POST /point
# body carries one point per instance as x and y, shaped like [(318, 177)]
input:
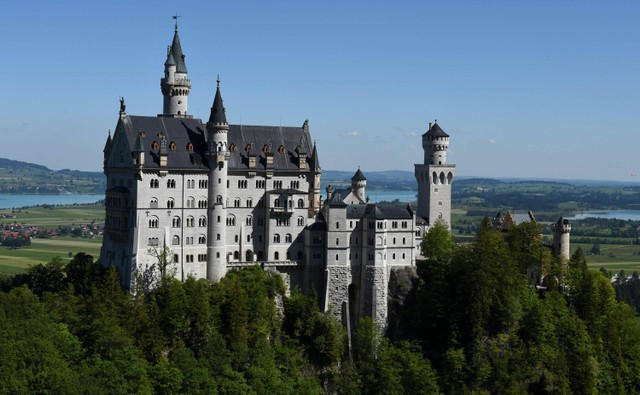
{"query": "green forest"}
[(468, 323)]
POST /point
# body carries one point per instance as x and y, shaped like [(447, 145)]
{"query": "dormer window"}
[(265, 149), (190, 147), (281, 149), (247, 148), (172, 146), (155, 146), (142, 134), (232, 147)]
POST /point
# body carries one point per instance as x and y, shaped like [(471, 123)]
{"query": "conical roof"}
[(138, 145), (107, 145), (314, 161), (436, 131), (217, 116), (358, 176), (176, 53)]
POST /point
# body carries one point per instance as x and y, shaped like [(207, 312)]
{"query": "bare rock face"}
[(401, 296)]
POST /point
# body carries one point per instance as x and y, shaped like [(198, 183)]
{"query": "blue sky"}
[(525, 89)]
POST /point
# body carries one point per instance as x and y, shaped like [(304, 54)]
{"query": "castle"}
[(199, 199)]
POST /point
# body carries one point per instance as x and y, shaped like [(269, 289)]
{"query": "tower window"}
[(172, 146)]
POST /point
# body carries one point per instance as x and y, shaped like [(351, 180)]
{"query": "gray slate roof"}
[(176, 52), (379, 211), (436, 131), (254, 138), (182, 131)]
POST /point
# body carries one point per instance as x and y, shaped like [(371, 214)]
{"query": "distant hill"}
[(24, 177)]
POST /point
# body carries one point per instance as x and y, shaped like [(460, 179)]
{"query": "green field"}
[(55, 216), (613, 257), (42, 250)]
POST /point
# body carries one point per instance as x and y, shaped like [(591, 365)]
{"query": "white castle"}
[(209, 197)]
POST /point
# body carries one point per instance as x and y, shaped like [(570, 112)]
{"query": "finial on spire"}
[(123, 107), (175, 17), (218, 81)]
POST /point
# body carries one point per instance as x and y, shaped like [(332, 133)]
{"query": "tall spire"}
[(176, 52), (217, 116), (175, 85)]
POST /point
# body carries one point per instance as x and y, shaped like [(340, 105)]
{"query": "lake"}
[(389, 196), (10, 200), (633, 215)]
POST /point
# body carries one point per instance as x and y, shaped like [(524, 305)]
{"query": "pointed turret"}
[(107, 150), (217, 157), (175, 85), (218, 115), (359, 184), (314, 161), (176, 53)]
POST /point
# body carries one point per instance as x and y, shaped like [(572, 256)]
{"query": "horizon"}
[(524, 90)]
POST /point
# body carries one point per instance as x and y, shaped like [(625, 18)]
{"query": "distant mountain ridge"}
[(25, 177)]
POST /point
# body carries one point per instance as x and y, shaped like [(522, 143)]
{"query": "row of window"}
[(242, 184), (154, 222)]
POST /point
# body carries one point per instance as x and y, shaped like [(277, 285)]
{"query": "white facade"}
[(216, 196)]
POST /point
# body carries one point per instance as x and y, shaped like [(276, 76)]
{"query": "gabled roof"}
[(378, 211), (180, 133), (252, 140), (190, 132), (435, 131)]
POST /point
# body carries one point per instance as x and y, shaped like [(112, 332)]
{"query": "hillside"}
[(24, 177)]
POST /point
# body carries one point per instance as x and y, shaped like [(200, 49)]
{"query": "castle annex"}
[(203, 198)]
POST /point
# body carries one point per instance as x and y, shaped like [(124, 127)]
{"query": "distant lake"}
[(633, 215), (10, 200), (389, 196)]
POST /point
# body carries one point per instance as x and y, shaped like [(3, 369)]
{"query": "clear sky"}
[(524, 88)]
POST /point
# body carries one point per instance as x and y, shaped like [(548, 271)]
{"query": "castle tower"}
[(434, 177), (359, 184), (174, 85), (217, 156), (561, 238)]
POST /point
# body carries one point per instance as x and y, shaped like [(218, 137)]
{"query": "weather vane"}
[(176, 16)]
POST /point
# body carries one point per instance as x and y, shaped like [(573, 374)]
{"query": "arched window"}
[(288, 238), (435, 177), (154, 183), (191, 202), (190, 221), (300, 221), (236, 256), (202, 221), (219, 199), (276, 238), (449, 178), (300, 203), (276, 203), (175, 241), (248, 256), (231, 220), (153, 203), (236, 202), (249, 221), (442, 178), (170, 203), (202, 239), (175, 222), (249, 202), (276, 255), (153, 222)]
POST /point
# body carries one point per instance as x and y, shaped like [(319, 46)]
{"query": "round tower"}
[(561, 238), (435, 144), (217, 156), (359, 184), (175, 85)]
